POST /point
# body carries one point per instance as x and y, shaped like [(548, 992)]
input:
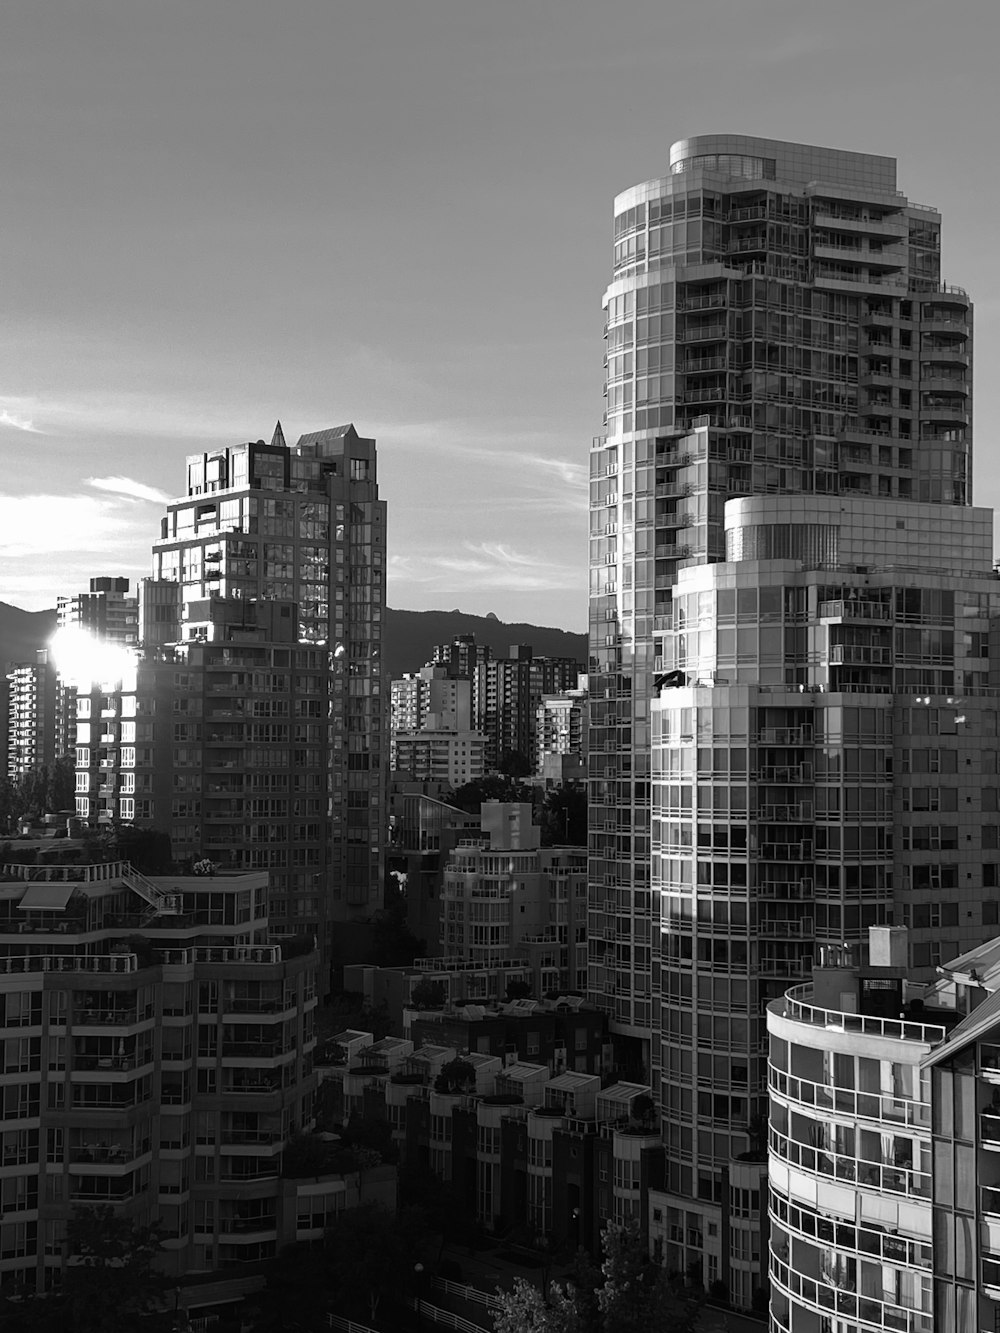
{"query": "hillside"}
[(410, 636), (22, 632)]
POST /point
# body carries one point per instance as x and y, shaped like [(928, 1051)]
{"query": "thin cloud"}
[(485, 565), (8, 418), (135, 490), (38, 526)]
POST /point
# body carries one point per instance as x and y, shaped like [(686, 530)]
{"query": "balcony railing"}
[(860, 1105), (795, 1006), (885, 1177)]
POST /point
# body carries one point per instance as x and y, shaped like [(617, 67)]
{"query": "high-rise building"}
[(461, 656), (561, 726), (32, 712), (108, 611), (793, 718), (251, 726), (507, 693)]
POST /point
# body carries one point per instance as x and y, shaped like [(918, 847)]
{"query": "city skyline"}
[(216, 215)]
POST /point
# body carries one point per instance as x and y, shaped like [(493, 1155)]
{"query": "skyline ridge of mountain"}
[(409, 637)]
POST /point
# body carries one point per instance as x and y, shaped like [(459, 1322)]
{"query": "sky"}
[(218, 213)]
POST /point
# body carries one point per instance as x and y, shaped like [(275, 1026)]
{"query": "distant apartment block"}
[(562, 724), (108, 611), (33, 695), (508, 691), (431, 735), (505, 897)]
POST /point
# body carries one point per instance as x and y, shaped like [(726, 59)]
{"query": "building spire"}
[(279, 436)]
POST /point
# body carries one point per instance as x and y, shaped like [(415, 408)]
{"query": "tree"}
[(644, 1110), (148, 849), (60, 785), (11, 803), (393, 943), (526, 1310), (517, 990), (456, 1076), (370, 1133), (351, 1011), (110, 1281), (370, 1257), (515, 764), (296, 1296), (428, 995), (637, 1294), (564, 816), (631, 1294), (32, 789), (493, 787)]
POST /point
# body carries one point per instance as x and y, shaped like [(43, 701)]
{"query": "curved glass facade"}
[(776, 326)]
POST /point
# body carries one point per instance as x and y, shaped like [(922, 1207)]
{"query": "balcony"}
[(795, 1007), (878, 612), (99, 1157), (948, 325), (842, 654), (704, 333)]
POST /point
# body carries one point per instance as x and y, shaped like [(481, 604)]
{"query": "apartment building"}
[(251, 727), (884, 1143), (786, 474), (157, 1044), (530, 1146), (504, 897), (33, 694)]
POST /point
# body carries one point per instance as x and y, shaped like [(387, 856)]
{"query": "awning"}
[(46, 897)]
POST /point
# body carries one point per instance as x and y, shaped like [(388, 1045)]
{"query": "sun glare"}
[(85, 660)]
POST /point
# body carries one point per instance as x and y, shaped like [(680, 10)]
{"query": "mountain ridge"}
[(409, 637)]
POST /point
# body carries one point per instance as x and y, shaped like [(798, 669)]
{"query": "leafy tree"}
[(11, 803), (370, 1257), (393, 943), (517, 990), (33, 789), (456, 1076), (428, 995), (515, 764), (296, 1296), (564, 816), (110, 1281), (644, 1109), (61, 785), (371, 1134), (493, 787), (350, 1010), (526, 1310), (631, 1294), (444, 1213), (637, 1294), (148, 850)]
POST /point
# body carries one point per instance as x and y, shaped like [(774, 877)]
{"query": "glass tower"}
[(777, 330)]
